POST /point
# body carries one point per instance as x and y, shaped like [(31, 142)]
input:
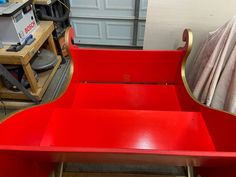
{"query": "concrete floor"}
[(117, 170), (111, 175)]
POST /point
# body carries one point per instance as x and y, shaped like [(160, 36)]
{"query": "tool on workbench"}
[(17, 22), (2, 1), (43, 61), (15, 48)]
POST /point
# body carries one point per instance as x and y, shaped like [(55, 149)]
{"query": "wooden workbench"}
[(44, 2), (42, 34)]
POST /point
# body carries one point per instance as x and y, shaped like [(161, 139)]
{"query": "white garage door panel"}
[(85, 4), (103, 8), (143, 8), (119, 5), (141, 31), (119, 30), (86, 29), (109, 22), (103, 32)]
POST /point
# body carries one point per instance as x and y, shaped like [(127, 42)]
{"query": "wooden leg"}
[(52, 44), (30, 77)]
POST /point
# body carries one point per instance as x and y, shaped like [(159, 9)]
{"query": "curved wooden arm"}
[(69, 36), (188, 38)]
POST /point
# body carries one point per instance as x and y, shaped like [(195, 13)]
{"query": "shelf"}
[(44, 2), (127, 129)]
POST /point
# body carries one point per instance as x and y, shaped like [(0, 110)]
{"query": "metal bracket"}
[(190, 171)]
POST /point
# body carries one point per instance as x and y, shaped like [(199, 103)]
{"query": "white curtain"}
[(212, 75)]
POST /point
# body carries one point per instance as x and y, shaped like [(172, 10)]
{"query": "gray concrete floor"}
[(112, 175), (78, 169)]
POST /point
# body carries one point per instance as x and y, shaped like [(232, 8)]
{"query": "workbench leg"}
[(30, 77), (52, 44)]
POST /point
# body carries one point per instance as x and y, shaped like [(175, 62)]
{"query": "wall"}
[(166, 20)]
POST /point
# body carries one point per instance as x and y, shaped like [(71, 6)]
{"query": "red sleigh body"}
[(121, 106)]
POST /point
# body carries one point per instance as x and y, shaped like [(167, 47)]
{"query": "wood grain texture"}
[(52, 44), (30, 77), (43, 2)]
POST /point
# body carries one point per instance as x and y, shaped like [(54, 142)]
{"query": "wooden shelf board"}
[(15, 105), (44, 2)]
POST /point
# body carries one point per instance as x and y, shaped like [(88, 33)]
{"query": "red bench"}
[(121, 106)]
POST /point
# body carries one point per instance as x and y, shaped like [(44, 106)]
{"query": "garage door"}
[(109, 22)]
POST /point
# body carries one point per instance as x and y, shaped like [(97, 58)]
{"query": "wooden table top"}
[(44, 2), (41, 34)]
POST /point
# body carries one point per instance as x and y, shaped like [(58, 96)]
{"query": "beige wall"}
[(166, 20)]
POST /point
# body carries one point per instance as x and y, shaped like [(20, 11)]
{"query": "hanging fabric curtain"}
[(212, 76)]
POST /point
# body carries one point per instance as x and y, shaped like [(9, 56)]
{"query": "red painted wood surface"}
[(126, 96), (128, 129), (121, 107), (128, 66), (13, 166)]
